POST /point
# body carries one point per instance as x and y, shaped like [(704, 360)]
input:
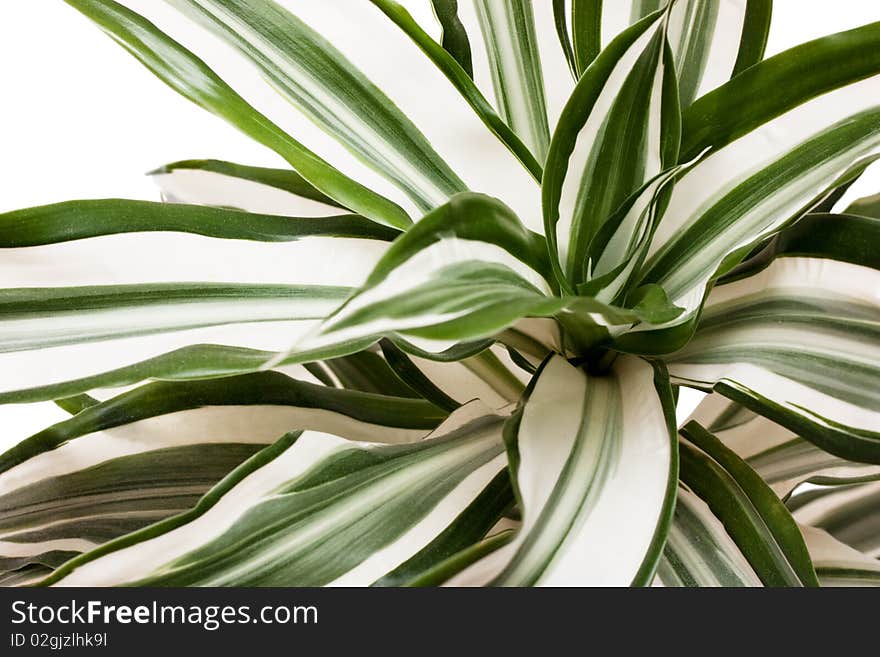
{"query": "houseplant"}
[(640, 207)]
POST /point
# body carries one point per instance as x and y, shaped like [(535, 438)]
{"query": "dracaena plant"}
[(569, 211)]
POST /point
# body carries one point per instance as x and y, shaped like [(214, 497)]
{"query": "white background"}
[(82, 119)]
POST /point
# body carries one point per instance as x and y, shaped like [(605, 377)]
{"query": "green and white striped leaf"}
[(286, 403), (351, 92), (508, 30), (95, 286), (699, 551), (253, 189), (317, 509), (467, 271), (460, 78), (469, 259), (796, 340), (838, 564), (190, 76), (58, 342), (518, 65), (594, 461), (151, 453), (712, 40), (618, 130), (777, 134), (620, 246), (850, 513), (783, 459), (754, 516)]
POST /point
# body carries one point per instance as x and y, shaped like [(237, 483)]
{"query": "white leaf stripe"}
[(390, 503), (542, 62), (558, 82), (281, 399), (39, 319), (191, 77), (583, 448)]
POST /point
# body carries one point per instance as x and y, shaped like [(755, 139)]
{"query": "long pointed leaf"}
[(754, 516), (191, 77)]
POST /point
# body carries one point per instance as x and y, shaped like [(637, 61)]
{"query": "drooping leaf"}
[(170, 264), (76, 220), (849, 513), (794, 336), (594, 462), (779, 456), (151, 453), (316, 509)]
